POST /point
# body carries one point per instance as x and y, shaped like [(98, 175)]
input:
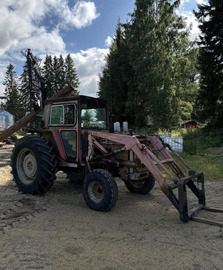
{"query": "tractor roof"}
[(71, 98)]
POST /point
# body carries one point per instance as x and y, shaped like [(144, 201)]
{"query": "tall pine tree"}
[(12, 93), (56, 72), (209, 105), (24, 88), (48, 74), (71, 77), (154, 69), (56, 83), (159, 41), (29, 86), (114, 80), (59, 72)]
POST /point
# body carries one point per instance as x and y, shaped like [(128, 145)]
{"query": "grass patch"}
[(199, 145), (199, 140), (211, 166)]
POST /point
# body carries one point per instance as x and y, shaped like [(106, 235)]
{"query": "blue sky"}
[(80, 27)]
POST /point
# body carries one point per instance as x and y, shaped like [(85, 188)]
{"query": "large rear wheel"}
[(33, 165), (100, 190), (142, 186)]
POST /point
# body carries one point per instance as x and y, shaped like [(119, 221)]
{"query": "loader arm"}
[(142, 152), (158, 161), (146, 156)]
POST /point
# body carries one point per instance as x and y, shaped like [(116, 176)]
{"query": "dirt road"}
[(58, 231)]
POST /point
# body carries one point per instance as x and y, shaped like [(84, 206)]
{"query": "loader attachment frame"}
[(153, 155)]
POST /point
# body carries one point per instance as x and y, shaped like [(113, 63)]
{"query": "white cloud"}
[(3, 67), (20, 22), (191, 20), (81, 15), (12, 29), (189, 16), (2, 89), (22, 26), (108, 41), (2, 75), (184, 1), (89, 64), (200, 2), (44, 41)]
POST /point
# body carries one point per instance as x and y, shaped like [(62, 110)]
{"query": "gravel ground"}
[(58, 230)]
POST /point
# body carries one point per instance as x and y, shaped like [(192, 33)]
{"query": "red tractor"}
[(75, 137)]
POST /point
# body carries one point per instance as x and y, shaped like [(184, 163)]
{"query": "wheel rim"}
[(26, 166), (138, 183), (95, 191)]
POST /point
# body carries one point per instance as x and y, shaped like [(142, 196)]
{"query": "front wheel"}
[(100, 190), (33, 165), (142, 186)]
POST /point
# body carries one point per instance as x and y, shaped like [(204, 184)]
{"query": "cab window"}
[(62, 115), (69, 138), (93, 115)]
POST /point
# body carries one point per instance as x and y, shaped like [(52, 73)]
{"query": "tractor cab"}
[(66, 122), (80, 112)]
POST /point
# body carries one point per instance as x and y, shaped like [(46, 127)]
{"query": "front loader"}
[(75, 137)]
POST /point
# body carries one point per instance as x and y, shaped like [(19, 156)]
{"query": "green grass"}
[(197, 145), (200, 140), (211, 166)]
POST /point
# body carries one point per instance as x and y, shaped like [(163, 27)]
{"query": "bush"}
[(199, 140)]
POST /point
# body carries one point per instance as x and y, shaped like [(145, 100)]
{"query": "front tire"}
[(33, 165), (141, 186), (100, 190)]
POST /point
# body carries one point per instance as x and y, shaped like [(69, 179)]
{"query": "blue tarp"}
[(6, 119), (5, 113)]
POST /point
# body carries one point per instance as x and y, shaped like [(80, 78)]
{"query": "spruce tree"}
[(48, 75), (71, 77), (209, 105), (115, 78), (24, 88), (56, 86), (30, 85), (61, 72), (12, 93), (159, 43), (150, 73)]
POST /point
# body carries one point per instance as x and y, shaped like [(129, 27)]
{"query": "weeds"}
[(211, 166), (197, 145), (199, 140)]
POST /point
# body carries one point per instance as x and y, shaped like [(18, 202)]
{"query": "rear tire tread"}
[(46, 164)]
